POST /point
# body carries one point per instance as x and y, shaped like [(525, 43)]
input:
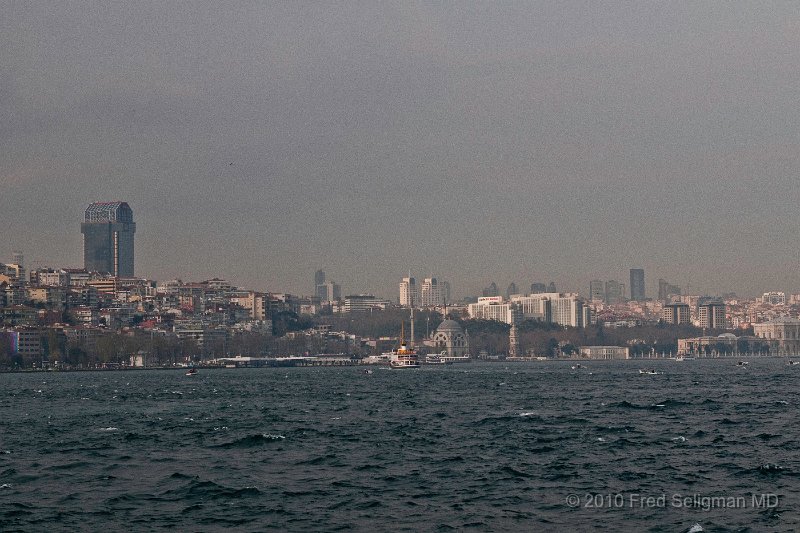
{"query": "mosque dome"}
[(450, 326)]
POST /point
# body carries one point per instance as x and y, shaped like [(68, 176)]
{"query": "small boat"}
[(368, 371), (577, 366), (742, 363), (792, 363), (192, 372), (651, 372)]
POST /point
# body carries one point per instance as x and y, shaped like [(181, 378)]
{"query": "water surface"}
[(486, 447)]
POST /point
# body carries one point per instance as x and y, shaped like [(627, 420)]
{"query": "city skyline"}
[(108, 230), (108, 247), (516, 142)]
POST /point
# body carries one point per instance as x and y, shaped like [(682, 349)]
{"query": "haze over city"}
[(475, 142)]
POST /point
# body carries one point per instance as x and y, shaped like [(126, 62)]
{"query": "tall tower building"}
[(637, 284), (711, 315), (491, 290), (431, 294), (596, 290), (615, 292), (538, 288), (511, 290), (330, 291), (409, 292), (666, 289), (108, 229), (676, 313), (319, 281), (18, 259), (446, 292)]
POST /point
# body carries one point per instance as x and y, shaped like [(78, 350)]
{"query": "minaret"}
[(411, 344)]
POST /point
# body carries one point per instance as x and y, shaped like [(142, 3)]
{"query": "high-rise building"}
[(511, 290), (665, 290), (774, 298), (637, 284), (446, 292), (431, 293), (676, 313), (319, 280), (409, 292), (108, 229), (538, 288), (493, 308), (491, 290), (596, 290), (18, 259), (615, 292), (711, 315), (329, 291), (567, 310)]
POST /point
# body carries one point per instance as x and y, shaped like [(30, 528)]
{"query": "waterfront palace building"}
[(782, 335)]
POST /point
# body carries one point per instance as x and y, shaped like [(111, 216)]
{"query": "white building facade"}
[(409, 292)]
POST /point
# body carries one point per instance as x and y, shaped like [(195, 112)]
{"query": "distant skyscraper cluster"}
[(538, 288), (431, 293), (108, 229), (326, 290), (512, 289), (552, 307), (610, 292)]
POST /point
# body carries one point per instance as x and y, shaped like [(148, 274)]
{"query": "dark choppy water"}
[(476, 446)]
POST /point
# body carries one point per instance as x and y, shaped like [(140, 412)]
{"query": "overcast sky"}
[(478, 142)]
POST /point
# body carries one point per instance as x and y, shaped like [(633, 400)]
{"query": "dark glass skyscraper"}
[(108, 229), (320, 291), (637, 284)]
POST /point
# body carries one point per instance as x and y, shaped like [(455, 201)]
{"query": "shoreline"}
[(488, 361)]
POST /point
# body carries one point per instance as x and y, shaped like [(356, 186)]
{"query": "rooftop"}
[(108, 212)]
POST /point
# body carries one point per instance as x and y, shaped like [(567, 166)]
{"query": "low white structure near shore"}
[(605, 352)]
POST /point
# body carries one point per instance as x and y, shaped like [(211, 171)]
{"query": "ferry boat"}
[(405, 356), (444, 359), (434, 359)]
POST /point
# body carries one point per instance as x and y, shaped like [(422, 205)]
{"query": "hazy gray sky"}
[(529, 141)]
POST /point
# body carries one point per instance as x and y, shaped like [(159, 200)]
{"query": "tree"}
[(552, 347)]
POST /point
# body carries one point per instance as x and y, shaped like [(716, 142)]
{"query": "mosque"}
[(450, 340)]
